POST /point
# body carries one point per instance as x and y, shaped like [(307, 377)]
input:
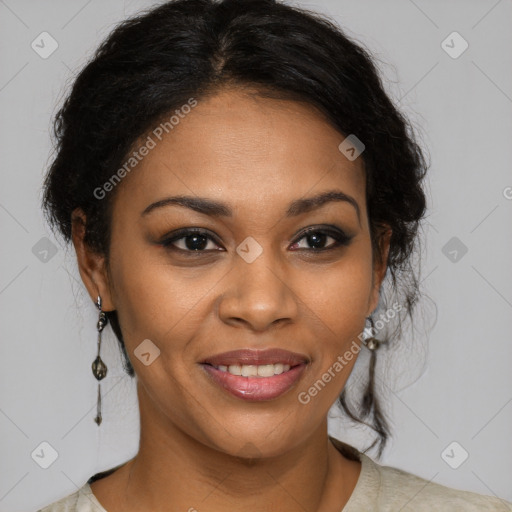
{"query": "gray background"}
[(460, 390)]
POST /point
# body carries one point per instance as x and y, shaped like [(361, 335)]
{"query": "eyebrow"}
[(216, 208)]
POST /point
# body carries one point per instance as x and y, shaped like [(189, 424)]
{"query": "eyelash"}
[(341, 239)]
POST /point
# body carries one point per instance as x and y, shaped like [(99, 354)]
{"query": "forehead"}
[(250, 151)]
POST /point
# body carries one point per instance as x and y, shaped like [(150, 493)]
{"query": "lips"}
[(257, 357), (255, 389)]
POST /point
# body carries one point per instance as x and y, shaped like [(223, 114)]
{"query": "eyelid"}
[(323, 228)]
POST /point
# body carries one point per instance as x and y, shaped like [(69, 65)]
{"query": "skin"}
[(201, 448)]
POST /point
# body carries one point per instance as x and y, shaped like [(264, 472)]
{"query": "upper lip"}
[(257, 357)]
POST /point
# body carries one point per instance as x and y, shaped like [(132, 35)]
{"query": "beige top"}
[(379, 488)]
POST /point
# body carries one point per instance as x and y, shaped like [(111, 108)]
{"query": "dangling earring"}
[(371, 342), (99, 368)]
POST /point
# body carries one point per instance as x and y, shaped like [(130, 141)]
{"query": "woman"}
[(237, 185)]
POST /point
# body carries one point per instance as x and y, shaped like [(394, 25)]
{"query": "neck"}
[(175, 471)]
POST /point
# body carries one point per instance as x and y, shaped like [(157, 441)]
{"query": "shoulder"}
[(66, 504), (82, 500), (398, 488), (388, 489)]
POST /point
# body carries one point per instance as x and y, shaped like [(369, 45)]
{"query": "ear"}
[(90, 264), (379, 266)]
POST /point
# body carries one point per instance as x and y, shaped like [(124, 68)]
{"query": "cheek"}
[(339, 295), (159, 302), (339, 305)]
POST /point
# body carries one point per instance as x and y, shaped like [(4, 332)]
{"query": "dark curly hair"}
[(154, 62)]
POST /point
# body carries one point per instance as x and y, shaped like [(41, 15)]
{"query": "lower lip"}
[(255, 388)]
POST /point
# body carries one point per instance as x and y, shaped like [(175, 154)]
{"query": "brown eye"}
[(190, 240), (316, 238)]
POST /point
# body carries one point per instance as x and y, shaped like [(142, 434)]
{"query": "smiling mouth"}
[(255, 383)]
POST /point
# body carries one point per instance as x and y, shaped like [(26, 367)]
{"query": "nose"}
[(258, 294)]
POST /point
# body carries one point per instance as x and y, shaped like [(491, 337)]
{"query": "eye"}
[(196, 241), (317, 238), (190, 240)]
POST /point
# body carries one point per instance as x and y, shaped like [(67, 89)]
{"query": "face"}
[(252, 278)]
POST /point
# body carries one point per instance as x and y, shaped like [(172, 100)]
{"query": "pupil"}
[(316, 238), (195, 245)]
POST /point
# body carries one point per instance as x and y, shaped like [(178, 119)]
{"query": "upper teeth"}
[(252, 370)]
